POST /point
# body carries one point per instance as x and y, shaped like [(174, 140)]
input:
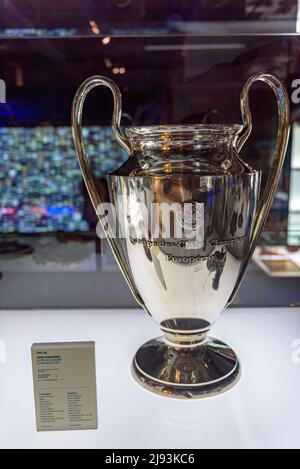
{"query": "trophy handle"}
[(77, 109), (267, 198)]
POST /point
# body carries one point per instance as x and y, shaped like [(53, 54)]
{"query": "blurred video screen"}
[(41, 187)]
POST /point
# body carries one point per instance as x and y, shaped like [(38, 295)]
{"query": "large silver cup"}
[(186, 218)]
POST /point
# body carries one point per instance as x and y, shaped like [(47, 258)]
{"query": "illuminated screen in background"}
[(294, 203), (40, 179)]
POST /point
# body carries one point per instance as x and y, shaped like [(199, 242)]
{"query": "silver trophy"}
[(183, 222)]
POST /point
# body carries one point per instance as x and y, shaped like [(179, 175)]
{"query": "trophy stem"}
[(184, 340), (205, 369), (185, 332)]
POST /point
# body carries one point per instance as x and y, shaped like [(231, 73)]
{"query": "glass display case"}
[(177, 61)]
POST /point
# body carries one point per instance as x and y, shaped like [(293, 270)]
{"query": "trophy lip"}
[(208, 177), (150, 130)]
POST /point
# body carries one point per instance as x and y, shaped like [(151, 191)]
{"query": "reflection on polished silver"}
[(185, 287), (206, 370), (185, 284)]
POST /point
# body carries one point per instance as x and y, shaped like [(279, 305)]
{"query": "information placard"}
[(64, 381)]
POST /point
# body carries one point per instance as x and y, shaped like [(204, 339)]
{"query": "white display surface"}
[(262, 411)]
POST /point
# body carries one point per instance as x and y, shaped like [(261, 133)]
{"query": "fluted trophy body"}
[(184, 217)]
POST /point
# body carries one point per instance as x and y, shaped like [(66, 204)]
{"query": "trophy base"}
[(205, 370)]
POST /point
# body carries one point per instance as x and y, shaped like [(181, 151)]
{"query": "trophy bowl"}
[(184, 217)]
